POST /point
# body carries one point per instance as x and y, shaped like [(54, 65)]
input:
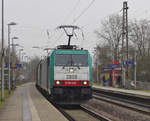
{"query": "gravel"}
[(115, 112)]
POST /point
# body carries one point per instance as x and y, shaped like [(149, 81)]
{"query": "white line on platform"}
[(34, 113)]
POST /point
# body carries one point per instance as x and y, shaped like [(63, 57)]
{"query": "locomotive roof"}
[(65, 49), (59, 51), (71, 47), (68, 26)]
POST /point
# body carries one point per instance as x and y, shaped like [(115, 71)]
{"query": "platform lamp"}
[(18, 61), (22, 58), (9, 32), (20, 50), (23, 54), (13, 76)]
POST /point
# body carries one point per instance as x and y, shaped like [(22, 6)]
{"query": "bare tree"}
[(32, 67), (140, 38), (110, 35), (102, 58), (110, 32)]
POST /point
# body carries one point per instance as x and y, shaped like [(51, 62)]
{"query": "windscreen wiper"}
[(67, 64), (75, 65)]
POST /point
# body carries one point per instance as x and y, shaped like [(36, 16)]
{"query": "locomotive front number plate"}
[(71, 76)]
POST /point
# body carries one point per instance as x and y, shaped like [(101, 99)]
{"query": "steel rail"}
[(127, 102), (94, 114), (55, 105), (68, 116), (84, 109)]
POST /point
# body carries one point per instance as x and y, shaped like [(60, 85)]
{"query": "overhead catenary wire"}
[(116, 12), (77, 18), (141, 14), (79, 14), (69, 15)]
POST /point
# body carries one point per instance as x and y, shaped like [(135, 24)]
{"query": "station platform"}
[(138, 93), (27, 104)]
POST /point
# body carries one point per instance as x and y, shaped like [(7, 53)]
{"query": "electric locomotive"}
[(66, 73)]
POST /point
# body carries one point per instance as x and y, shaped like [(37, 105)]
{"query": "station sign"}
[(13, 66), (112, 66), (129, 63)]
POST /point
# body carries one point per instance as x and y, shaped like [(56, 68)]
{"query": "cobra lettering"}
[(71, 76)]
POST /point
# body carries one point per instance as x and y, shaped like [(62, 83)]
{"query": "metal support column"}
[(125, 38), (2, 58), (9, 84)]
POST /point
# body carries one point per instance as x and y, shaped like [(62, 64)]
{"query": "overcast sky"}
[(34, 17)]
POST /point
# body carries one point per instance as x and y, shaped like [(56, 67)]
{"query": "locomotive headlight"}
[(85, 82), (57, 82), (71, 70)]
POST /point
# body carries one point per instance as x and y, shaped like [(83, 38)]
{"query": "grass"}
[(20, 83), (97, 84), (6, 95)]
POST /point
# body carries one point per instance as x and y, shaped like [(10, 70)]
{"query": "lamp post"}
[(47, 49), (20, 55), (26, 57), (2, 58), (9, 32), (23, 54), (13, 76), (135, 68), (19, 51), (96, 77), (22, 58), (135, 64), (37, 47), (18, 61)]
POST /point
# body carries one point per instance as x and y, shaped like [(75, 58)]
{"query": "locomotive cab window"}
[(80, 60), (62, 60), (71, 60)]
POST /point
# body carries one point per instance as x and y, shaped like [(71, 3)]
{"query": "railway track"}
[(77, 113), (80, 113), (139, 104)]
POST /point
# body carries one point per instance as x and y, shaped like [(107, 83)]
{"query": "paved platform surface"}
[(133, 92), (27, 104)]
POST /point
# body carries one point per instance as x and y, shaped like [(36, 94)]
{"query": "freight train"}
[(66, 74)]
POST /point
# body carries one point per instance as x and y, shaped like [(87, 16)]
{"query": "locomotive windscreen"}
[(71, 60)]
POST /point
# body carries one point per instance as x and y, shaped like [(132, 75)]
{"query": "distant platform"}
[(138, 93)]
